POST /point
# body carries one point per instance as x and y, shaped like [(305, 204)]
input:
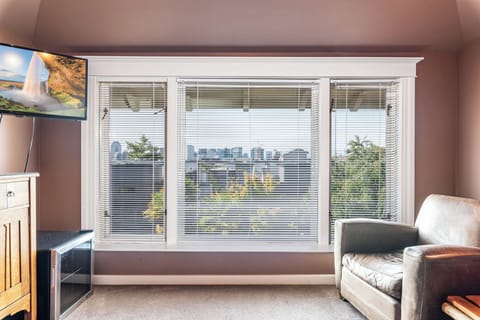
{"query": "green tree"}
[(358, 181), (156, 210), (143, 150), (191, 189), (222, 205)]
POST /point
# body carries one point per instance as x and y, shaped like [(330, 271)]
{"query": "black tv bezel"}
[(33, 114)]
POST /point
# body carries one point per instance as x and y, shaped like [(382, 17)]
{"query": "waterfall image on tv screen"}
[(42, 84)]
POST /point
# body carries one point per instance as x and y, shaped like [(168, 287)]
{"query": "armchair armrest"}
[(369, 235), (432, 272)]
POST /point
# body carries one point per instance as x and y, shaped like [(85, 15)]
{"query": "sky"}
[(14, 63), (278, 129), (365, 123)]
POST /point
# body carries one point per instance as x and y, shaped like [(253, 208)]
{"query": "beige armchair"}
[(394, 271)]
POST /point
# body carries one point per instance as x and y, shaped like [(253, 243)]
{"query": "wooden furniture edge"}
[(21, 304), (32, 315)]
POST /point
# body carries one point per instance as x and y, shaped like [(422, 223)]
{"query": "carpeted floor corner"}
[(215, 303)]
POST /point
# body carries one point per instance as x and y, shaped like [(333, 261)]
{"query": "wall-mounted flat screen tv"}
[(37, 83)]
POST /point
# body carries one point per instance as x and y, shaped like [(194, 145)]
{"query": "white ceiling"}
[(233, 25)]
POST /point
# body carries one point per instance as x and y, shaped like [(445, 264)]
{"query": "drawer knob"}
[(10, 194)]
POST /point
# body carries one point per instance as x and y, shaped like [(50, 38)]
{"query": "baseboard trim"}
[(280, 279)]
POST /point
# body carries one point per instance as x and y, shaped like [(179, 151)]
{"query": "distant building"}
[(133, 178), (243, 168), (237, 152), (295, 155), (212, 154), (297, 170), (190, 152), (269, 155), (258, 169), (224, 154), (116, 150), (220, 177), (276, 170), (202, 153), (203, 177), (257, 153), (191, 166), (276, 155)]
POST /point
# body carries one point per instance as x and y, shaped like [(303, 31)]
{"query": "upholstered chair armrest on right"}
[(431, 273), (369, 235)]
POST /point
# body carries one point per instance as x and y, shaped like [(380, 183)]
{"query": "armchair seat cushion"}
[(384, 271)]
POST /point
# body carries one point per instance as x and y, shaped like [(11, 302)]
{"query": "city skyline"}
[(267, 134), (233, 153)]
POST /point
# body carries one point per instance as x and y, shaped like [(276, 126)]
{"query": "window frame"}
[(170, 69), (104, 164), (219, 84)]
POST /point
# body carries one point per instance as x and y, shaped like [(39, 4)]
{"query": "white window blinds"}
[(131, 165), (364, 169), (248, 161)]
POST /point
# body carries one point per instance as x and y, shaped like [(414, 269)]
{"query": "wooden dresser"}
[(18, 245)]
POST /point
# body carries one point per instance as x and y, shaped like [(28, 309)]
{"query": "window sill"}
[(202, 247)]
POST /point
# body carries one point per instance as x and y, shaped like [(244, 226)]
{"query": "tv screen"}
[(37, 83)]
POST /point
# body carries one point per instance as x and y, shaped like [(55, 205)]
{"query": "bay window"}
[(244, 153)]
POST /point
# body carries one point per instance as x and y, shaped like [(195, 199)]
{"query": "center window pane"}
[(248, 164)]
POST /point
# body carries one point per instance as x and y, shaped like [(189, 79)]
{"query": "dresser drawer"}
[(15, 193)]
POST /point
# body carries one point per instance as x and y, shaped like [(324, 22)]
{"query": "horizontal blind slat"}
[(364, 179), (247, 162), (132, 168)]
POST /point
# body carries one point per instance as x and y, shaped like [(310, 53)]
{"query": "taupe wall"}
[(468, 166), (15, 132), (213, 263), (59, 162), (435, 125), (166, 24)]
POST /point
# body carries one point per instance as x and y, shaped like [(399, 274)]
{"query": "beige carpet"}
[(215, 303)]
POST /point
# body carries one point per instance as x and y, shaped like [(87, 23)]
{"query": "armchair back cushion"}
[(449, 220)]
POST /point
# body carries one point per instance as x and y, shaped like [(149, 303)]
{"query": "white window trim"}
[(168, 69), (324, 165), (171, 151)]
